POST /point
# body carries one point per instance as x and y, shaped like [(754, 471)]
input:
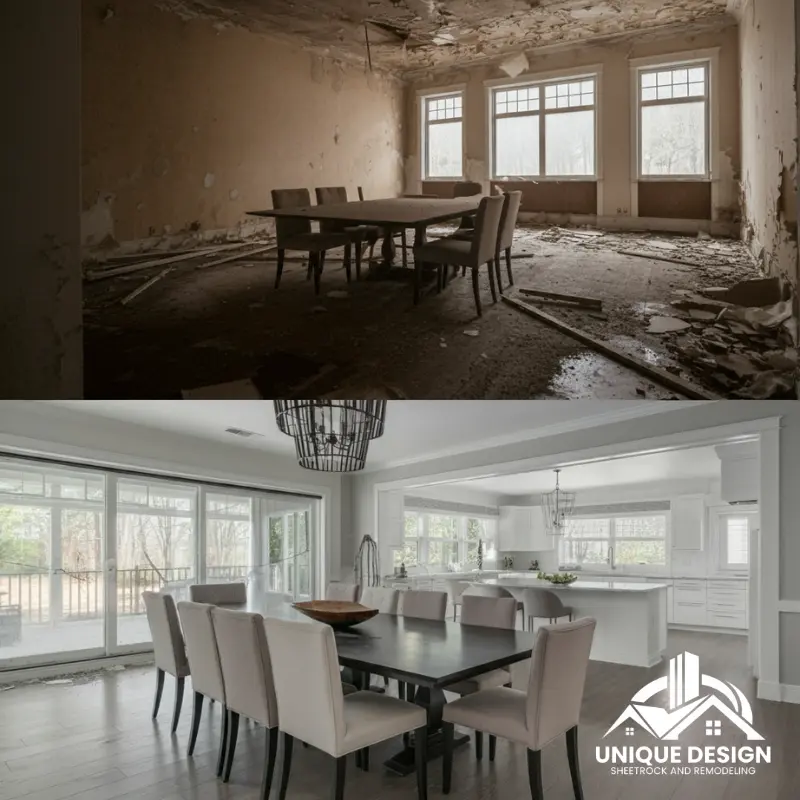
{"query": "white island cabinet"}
[(631, 617), (522, 529)]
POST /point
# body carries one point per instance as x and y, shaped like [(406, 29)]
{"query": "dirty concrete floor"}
[(201, 328)]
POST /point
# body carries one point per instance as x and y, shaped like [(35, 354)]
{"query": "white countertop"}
[(615, 575), (579, 585)]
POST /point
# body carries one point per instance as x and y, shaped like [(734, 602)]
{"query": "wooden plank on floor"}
[(657, 374)]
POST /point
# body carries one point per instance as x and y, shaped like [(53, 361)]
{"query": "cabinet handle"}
[(683, 603), (720, 614)]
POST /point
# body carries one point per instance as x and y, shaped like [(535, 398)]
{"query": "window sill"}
[(674, 179), (549, 179)]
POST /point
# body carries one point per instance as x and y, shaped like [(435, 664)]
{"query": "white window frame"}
[(423, 97), (718, 542), (612, 541), (423, 538), (541, 81)]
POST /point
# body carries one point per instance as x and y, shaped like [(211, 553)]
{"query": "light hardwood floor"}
[(94, 740)]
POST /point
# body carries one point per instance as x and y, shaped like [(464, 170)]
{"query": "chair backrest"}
[(456, 588), (218, 593), (558, 674), (246, 665), (508, 220), (481, 590), (165, 630), (541, 603), (490, 612), (290, 198), (310, 698), (201, 649), (423, 605), (487, 226), (327, 196), (342, 591), (467, 189), (385, 600), (361, 193)]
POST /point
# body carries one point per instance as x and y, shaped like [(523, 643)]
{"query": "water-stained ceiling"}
[(409, 35)]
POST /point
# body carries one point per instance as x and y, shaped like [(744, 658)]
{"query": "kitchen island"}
[(631, 617)]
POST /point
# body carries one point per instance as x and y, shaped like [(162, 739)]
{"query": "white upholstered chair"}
[(488, 612), (505, 238), (204, 662), (482, 590), (218, 593), (423, 605), (249, 685), (385, 600), (550, 708), (342, 591), (168, 646), (542, 604), (313, 708)]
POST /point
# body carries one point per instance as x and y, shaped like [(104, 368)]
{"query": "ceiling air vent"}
[(244, 434)]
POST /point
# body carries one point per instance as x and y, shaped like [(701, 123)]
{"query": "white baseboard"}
[(24, 674), (706, 629), (779, 692)]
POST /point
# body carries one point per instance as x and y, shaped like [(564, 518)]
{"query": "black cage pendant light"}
[(331, 435)]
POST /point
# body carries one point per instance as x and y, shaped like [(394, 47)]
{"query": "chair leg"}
[(447, 761), (362, 759), (404, 242), (341, 772), (288, 742), (197, 712), (233, 733), (421, 759), (348, 258), (316, 264), (498, 273), (492, 747), (508, 266), (476, 291), (159, 691), (478, 745), (223, 741), (176, 714), (490, 266), (574, 763), (322, 257), (359, 254), (279, 274), (401, 690), (535, 774), (269, 762), (310, 273)]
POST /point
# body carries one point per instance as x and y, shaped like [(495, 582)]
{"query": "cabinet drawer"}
[(689, 613), (727, 601), (726, 619), (732, 587)]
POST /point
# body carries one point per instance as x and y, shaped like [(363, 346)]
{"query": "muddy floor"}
[(199, 328)]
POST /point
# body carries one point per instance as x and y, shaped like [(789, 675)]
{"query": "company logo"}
[(692, 699)]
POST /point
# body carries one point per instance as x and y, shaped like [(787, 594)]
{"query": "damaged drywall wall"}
[(769, 134), (187, 127)]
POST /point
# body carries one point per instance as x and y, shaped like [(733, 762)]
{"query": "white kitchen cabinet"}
[(687, 522), (391, 519), (689, 602), (521, 528)]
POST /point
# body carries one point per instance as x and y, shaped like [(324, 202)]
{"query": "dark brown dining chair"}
[(296, 234), (358, 234)]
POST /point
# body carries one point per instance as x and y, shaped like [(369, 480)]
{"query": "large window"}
[(445, 541), (630, 540), (443, 134), (734, 542), (545, 129), (673, 121)]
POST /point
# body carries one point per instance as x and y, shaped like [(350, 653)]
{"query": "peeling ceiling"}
[(412, 35)]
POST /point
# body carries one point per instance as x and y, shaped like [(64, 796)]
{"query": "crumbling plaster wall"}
[(615, 135), (188, 124), (769, 134)]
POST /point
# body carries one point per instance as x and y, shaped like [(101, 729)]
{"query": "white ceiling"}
[(700, 463), (415, 430)]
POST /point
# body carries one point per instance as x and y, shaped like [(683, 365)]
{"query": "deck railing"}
[(46, 596)]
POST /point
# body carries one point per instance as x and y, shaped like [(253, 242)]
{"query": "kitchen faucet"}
[(610, 558)]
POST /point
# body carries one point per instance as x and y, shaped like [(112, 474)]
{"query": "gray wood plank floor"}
[(95, 740)]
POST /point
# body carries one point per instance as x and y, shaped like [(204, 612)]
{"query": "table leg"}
[(432, 700), (388, 249), (420, 238)]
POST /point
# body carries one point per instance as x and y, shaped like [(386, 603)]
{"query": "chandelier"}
[(331, 435), (558, 507)]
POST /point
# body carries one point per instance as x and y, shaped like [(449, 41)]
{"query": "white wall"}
[(679, 421), (50, 430), (40, 270)]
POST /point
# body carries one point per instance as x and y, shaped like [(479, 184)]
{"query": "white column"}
[(40, 270)]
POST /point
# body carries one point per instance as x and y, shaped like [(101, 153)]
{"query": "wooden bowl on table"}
[(336, 613)]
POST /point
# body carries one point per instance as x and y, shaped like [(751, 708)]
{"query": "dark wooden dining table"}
[(392, 214), (426, 654)]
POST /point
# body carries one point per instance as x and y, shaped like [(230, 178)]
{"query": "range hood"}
[(739, 472)]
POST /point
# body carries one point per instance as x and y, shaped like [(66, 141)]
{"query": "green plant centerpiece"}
[(559, 578)]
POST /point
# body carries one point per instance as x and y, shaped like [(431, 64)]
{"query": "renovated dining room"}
[(190, 612)]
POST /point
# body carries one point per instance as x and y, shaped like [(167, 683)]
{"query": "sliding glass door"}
[(78, 547)]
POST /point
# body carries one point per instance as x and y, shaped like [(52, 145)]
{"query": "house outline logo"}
[(687, 703)]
